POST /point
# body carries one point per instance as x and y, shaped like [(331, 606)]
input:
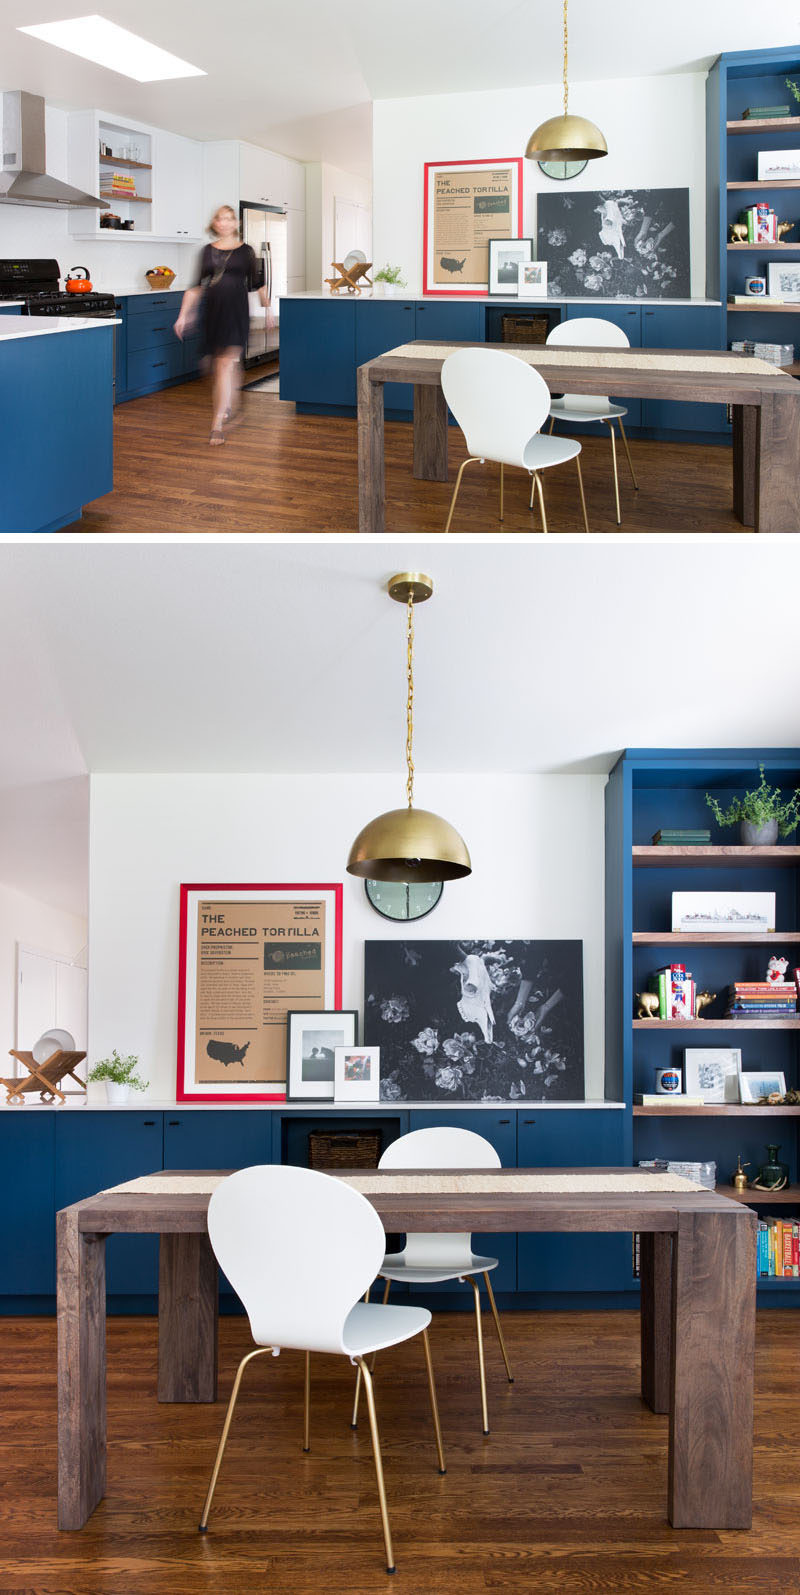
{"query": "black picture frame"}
[(507, 289), (320, 1021)]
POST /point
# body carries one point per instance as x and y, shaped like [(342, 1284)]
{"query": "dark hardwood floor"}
[(567, 1494), (280, 472)]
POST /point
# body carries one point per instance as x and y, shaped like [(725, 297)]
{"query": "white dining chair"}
[(580, 409), (501, 403), (434, 1259), (300, 1249)]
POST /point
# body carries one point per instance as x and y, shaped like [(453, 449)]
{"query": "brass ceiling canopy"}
[(409, 844), (565, 137)]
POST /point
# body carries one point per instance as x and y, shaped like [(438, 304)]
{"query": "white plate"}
[(50, 1043), (356, 257)]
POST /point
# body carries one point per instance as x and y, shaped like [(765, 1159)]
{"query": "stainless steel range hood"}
[(24, 180)]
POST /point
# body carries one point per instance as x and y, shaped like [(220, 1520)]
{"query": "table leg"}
[(655, 1273), (371, 469), (187, 1319), (777, 494), (81, 1296), (746, 419), (430, 432), (711, 1416)]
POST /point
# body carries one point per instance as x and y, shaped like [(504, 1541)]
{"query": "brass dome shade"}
[(566, 138), (409, 845)]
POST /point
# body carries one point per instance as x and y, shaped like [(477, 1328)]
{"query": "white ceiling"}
[(298, 75), (254, 657)]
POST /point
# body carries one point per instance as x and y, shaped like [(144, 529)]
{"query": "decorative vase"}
[(772, 1175), (390, 290), (117, 1093), (752, 835)]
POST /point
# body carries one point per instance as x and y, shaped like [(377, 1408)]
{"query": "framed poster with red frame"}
[(466, 204), (248, 954)]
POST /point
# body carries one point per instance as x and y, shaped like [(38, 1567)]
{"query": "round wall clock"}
[(401, 900), (561, 171)]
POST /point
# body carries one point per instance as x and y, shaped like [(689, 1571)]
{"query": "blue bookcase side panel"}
[(499, 1128), (581, 1262), (318, 351), (28, 1252), (94, 1151)]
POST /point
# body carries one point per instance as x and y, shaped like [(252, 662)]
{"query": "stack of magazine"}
[(761, 999)]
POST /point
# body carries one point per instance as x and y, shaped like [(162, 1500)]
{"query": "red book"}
[(787, 1250)]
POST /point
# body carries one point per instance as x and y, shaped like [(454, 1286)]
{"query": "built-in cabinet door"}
[(451, 322), (27, 1253), (572, 1138), (628, 318), (500, 1129), (318, 352), (382, 325), (96, 1150), (225, 1138), (177, 186), (682, 327)]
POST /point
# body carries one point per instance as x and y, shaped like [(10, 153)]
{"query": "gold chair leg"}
[(496, 1317), (434, 1404), (628, 452), (260, 1351), (533, 488), (471, 460), (307, 1404), (481, 1365), (501, 490), (610, 426), (376, 1452), (356, 1398), (540, 491), (583, 496), (552, 422)]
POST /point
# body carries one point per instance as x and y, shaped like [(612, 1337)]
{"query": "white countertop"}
[(11, 304), (41, 326), (513, 303), (76, 1104)]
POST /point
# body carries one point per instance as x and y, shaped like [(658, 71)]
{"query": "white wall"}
[(324, 185), (537, 852), (654, 128), (35, 924)]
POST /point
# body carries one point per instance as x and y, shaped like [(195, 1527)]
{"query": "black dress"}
[(226, 276)]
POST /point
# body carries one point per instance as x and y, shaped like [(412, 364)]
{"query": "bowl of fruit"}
[(160, 277)]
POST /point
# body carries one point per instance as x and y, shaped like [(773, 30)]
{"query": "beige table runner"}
[(635, 359), (438, 1184)]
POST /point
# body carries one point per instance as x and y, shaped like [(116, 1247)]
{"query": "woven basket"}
[(162, 279), (340, 1150), (525, 329)]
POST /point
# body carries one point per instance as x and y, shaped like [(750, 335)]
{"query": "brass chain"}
[(410, 704), (566, 45)]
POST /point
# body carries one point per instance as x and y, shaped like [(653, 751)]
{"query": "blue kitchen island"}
[(56, 419)]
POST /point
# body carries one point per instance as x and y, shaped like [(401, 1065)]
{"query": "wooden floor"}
[(280, 472), (567, 1494)]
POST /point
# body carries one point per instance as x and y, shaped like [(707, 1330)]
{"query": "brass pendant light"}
[(409, 844), (565, 137)]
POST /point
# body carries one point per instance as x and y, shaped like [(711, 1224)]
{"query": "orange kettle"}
[(76, 284)]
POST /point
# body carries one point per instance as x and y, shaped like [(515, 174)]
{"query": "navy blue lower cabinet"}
[(453, 323), (96, 1150), (499, 1128), (28, 1253), (628, 318), (578, 1138), (232, 1138), (382, 325), (318, 352), (683, 327)]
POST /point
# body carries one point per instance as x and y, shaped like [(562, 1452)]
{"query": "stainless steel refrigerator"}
[(265, 229)]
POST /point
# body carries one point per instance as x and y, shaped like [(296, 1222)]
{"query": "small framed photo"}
[(779, 166), (312, 1040), (357, 1074), (757, 1083), (712, 1073), (532, 280), (723, 913), (506, 255), (783, 281)]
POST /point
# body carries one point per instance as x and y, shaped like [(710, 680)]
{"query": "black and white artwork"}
[(625, 242), (476, 1021)]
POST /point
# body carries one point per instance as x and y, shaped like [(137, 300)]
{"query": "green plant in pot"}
[(761, 815), (390, 279), (120, 1075)]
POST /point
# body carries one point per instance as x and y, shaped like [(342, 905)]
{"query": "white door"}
[(51, 993)]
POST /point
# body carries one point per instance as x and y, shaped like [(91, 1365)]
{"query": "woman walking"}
[(228, 272)]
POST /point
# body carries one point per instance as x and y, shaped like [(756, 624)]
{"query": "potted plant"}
[(761, 815), (390, 281), (120, 1076)]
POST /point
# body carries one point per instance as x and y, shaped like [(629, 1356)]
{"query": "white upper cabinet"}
[(177, 187), (271, 179)]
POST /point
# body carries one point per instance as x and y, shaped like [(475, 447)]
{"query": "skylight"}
[(96, 39)]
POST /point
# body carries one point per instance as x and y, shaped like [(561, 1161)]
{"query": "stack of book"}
[(778, 354), (761, 999), (762, 223), (122, 184), (764, 113), (778, 1248), (674, 837), (676, 992)]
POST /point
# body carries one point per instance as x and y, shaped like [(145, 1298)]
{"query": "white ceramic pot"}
[(390, 290), (117, 1093)]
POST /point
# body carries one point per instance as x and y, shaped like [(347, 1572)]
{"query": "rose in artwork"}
[(460, 1048), (578, 257), (394, 1010), (426, 1043), (448, 1078)]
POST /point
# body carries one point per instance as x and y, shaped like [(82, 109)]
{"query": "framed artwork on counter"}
[(314, 1039), (506, 255), (466, 204), (249, 954)]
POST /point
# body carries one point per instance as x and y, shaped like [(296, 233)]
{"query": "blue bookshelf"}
[(649, 789)]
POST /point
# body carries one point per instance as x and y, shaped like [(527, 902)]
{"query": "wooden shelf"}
[(717, 1024), (663, 857), (710, 938), (777, 310), (115, 160), (128, 199), (760, 182), (790, 1196), (764, 249), (792, 370), (765, 124), (713, 1110)]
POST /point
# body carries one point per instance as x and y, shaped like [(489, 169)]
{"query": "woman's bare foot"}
[(217, 437)]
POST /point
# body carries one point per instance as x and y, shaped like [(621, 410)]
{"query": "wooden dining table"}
[(765, 407), (698, 1298)]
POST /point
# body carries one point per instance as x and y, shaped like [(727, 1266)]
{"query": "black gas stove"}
[(35, 282)]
